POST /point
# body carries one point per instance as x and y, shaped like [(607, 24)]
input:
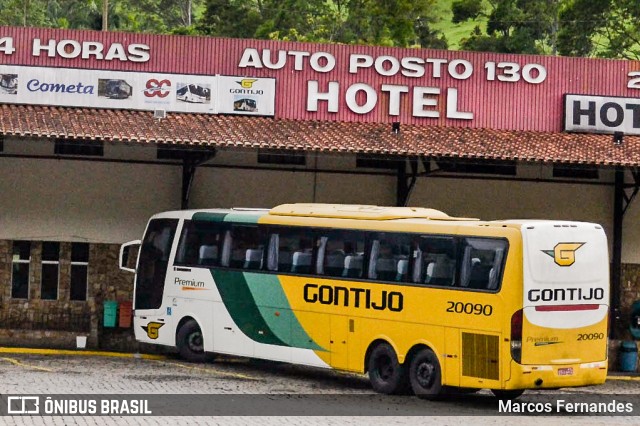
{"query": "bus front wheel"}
[(190, 342), (385, 372), (425, 375)]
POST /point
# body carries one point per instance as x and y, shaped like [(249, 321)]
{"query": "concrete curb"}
[(79, 352), (626, 378)]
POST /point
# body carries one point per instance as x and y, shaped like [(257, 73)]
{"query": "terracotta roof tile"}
[(323, 136)]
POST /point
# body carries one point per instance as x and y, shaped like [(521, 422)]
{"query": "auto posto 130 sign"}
[(601, 114)]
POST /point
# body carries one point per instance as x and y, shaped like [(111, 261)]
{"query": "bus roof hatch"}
[(355, 211)]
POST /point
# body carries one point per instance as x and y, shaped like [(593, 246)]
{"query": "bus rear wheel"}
[(385, 372), (190, 342), (507, 394), (425, 375)]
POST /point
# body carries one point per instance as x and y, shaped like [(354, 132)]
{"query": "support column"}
[(401, 184), (188, 173), (405, 181), (190, 162), (616, 255)]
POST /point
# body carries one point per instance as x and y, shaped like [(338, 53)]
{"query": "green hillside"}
[(454, 33)]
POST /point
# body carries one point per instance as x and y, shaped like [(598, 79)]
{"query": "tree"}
[(83, 14), (514, 26), (392, 23), (155, 16), (466, 9), (381, 22), (298, 20), (23, 13), (607, 28), (230, 18)]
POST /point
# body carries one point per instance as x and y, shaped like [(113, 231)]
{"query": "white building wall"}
[(224, 188), (61, 200)]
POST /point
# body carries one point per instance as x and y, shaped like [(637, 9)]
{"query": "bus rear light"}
[(516, 336)]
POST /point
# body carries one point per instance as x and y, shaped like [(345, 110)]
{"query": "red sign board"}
[(349, 83)]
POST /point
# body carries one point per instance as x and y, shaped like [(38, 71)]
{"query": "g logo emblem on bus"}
[(152, 329), (564, 254)]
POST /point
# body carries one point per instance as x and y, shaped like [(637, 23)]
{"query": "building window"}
[(21, 256), (79, 271), (79, 147), (50, 270), (575, 171), (377, 162), (463, 165), (168, 152), (281, 156)]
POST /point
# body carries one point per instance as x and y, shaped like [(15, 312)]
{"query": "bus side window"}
[(340, 254), (199, 244), (247, 247), (289, 251), (388, 257), (481, 265), (435, 260)]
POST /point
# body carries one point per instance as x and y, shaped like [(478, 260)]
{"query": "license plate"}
[(565, 371)]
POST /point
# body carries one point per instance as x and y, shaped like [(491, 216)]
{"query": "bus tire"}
[(190, 342), (507, 394), (386, 374), (425, 375)]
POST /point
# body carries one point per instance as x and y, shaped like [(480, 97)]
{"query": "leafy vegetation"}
[(607, 28)]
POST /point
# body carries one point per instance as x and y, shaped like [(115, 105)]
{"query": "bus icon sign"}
[(23, 405)]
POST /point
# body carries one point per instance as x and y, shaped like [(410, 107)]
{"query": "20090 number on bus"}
[(590, 336), (356, 297), (469, 308)]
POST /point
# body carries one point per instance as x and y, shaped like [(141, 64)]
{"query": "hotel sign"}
[(601, 114)]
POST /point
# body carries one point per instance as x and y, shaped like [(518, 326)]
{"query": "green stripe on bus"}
[(238, 300), (275, 309), (243, 217), (209, 217)]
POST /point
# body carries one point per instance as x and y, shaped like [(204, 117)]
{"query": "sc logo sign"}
[(161, 88)]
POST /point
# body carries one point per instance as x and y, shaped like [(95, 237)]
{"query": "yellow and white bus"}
[(419, 300)]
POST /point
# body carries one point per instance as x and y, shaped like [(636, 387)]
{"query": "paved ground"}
[(263, 387)]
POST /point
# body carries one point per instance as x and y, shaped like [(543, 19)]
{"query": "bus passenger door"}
[(150, 316), (339, 341), (452, 357)]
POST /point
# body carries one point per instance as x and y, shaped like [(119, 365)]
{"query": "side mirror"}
[(125, 250)]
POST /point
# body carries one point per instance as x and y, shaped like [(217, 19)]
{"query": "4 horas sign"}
[(72, 49)]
